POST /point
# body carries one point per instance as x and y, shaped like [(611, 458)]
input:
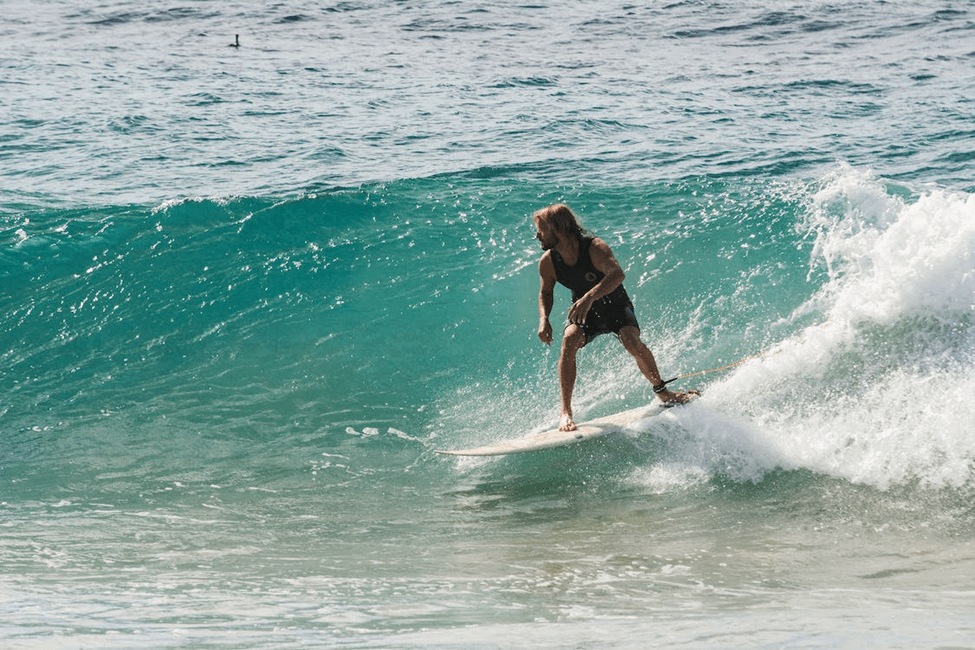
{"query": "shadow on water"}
[(622, 473), (564, 481)]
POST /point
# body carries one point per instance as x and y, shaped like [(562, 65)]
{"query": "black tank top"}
[(584, 276)]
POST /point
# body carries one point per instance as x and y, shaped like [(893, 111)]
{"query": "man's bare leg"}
[(571, 342), (630, 338)]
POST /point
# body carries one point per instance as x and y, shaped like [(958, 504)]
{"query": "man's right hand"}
[(545, 332)]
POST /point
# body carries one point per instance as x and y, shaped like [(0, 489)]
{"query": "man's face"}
[(546, 235)]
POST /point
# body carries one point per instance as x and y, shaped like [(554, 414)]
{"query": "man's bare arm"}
[(546, 298)]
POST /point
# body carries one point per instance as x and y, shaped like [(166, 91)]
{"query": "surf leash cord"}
[(663, 386)]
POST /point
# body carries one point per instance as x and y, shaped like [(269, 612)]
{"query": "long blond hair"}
[(562, 219)]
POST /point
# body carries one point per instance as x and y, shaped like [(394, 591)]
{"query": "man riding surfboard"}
[(600, 305)]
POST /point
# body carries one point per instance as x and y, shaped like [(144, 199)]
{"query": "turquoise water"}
[(247, 292)]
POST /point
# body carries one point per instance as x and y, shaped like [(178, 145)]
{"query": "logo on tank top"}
[(590, 277)]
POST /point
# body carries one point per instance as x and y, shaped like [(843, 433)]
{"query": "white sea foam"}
[(889, 258), (880, 391)]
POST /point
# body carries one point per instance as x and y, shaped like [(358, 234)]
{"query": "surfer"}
[(600, 304)]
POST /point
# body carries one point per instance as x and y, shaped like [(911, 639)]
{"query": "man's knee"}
[(573, 339)]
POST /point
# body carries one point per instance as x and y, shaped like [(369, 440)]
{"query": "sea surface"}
[(258, 261)]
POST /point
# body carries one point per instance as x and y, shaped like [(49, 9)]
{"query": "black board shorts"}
[(608, 318)]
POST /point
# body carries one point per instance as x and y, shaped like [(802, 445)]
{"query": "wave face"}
[(412, 305)]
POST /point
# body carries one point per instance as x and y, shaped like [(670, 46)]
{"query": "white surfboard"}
[(555, 438)]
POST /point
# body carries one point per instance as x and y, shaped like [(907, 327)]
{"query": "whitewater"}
[(257, 263)]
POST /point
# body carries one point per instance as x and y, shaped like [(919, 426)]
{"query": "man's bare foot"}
[(566, 423), (670, 397)]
